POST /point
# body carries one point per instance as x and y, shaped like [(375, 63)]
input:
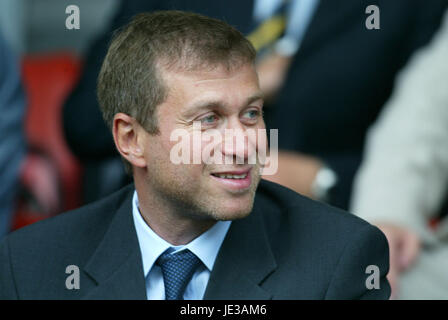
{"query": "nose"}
[(239, 144)]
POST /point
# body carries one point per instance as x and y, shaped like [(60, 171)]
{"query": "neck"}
[(174, 225)]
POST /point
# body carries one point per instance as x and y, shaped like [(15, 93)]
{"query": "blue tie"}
[(177, 270)]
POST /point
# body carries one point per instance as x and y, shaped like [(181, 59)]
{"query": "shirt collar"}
[(205, 247)]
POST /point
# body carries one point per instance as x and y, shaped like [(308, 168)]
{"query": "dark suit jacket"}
[(289, 247), (336, 86)]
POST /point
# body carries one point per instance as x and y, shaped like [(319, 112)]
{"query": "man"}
[(191, 231), (402, 184)]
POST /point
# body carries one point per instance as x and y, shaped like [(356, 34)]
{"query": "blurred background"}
[(49, 58), (37, 26), (357, 89)]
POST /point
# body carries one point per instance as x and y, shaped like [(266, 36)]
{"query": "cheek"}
[(164, 146), (262, 141), (262, 134), (177, 167), (195, 149), (157, 153)]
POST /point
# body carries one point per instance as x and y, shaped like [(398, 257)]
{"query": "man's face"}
[(220, 100)]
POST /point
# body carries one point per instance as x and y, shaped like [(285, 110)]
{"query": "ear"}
[(127, 136)]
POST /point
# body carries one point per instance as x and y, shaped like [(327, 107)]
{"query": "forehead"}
[(229, 86)]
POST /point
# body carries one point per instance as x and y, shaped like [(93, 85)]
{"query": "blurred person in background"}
[(12, 139), (325, 76), (402, 184), (336, 85)]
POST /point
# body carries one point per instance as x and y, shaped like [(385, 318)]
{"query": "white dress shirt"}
[(205, 247)]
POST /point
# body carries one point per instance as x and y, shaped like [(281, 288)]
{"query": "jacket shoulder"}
[(325, 248), (34, 259), (91, 218), (75, 233), (286, 202)]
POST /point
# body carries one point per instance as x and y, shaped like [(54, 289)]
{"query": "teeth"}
[(231, 176)]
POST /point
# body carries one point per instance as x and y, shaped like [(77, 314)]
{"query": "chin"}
[(233, 212), (235, 207)]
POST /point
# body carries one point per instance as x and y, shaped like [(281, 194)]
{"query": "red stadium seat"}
[(51, 176)]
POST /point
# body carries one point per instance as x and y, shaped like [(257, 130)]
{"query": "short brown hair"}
[(130, 80)]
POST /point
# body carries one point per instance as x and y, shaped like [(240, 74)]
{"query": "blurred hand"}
[(272, 71), (39, 178), (296, 171), (404, 247)]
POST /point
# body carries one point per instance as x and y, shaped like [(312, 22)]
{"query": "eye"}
[(251, 115), (209, 120)]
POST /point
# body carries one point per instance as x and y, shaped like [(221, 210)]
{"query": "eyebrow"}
[(210, 104), (258, 96)]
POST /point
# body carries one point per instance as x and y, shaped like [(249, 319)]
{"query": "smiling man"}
[(195, 230), (195, 195)]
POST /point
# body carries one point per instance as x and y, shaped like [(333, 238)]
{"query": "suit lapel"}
[(244, 261), (116, 265)]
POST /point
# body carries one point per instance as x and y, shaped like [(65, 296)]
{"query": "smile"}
[(233, 180), (230, 176)]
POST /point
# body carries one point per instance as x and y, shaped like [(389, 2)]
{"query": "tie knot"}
[(177, 270)]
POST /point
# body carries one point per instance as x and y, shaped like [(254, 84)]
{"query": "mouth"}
[(233, 180), (230, 175)]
